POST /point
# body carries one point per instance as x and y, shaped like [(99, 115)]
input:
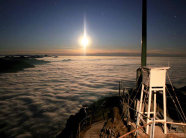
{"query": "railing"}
[(83, 124), (122, 88)]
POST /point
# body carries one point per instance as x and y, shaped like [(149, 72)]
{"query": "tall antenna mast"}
[(144, 33)]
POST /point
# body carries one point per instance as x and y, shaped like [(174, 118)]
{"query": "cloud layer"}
[(38, 101)]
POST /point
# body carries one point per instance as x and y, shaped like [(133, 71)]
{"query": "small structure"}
[(153, 81)]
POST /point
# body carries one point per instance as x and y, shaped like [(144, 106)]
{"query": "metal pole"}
[(144, 33), (79, 130), (140, 105), (119, 88), (149, 107), (165, 110)]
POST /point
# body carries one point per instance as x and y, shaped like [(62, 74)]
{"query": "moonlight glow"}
[(84, 40)]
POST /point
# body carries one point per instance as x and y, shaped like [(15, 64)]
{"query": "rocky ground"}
[(109, 110)]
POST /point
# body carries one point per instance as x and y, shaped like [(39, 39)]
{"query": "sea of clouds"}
[(37, 102)]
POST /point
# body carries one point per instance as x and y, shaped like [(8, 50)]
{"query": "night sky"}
[(54, 26)]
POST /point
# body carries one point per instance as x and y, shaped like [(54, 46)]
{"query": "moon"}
[(84, 39)]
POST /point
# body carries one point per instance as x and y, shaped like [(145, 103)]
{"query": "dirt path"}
[(94, 131)]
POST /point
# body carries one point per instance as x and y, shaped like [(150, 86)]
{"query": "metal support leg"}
[(154, 115), (148, 112), (140, 105), (154, 105), (164, 110)]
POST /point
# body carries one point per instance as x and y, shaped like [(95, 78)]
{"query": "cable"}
[(176, 98), (175, 105)]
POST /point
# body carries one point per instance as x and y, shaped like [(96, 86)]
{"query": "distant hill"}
[(15, 64)]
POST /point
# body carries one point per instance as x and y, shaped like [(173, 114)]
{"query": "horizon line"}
[(94, 52)]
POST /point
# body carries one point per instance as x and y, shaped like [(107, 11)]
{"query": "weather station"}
[(151, 81), (150, 98)]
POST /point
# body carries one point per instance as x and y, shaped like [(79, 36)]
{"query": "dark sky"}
[(50, 25)]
